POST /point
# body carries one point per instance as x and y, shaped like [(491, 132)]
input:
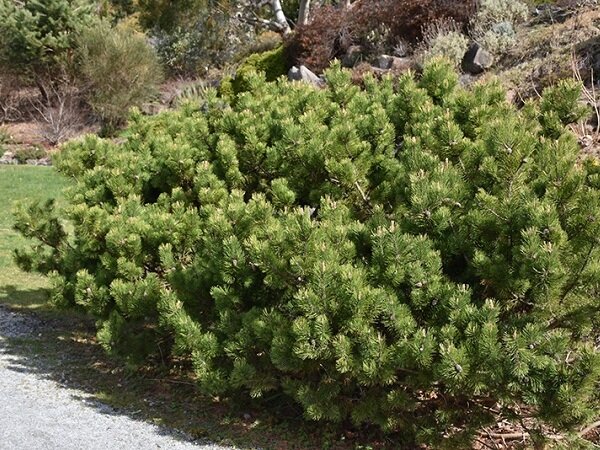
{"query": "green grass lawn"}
[(22, 183)]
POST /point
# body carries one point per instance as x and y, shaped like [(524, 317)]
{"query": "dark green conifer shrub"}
[(36, 36), (411, 255)]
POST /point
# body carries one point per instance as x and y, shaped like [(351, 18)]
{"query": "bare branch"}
[(589, 428), (59, 110)]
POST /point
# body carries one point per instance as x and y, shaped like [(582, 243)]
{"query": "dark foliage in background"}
[(377, 25)]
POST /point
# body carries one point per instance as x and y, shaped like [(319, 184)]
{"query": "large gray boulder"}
[(477, 60), (302, 73), (44, 162)]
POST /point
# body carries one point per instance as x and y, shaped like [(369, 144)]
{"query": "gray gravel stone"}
[(38, 413)]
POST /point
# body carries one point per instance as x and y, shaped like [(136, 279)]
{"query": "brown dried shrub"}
[(9, 97), (376, 25), (359, 72)]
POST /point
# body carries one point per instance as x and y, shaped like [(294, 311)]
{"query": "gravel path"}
[(38, 413)]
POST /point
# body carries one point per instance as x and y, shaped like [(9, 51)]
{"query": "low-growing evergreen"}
[(412, 254), (273, 63)]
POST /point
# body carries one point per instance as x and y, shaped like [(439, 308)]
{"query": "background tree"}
[(38, 36), (301, 11)]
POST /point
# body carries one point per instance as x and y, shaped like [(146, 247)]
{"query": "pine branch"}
[(573, 283), (362, 193)]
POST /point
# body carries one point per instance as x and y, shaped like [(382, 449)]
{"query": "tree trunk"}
[(304, 12), (43, 90), (280, 16)]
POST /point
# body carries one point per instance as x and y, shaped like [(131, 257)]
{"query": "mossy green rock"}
[(272, 63)]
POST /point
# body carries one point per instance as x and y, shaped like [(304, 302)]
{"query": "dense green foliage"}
[(37, 35), (74, 58), (167, 15), (191, 50), (194, 36), (273, 63), (412, 255)]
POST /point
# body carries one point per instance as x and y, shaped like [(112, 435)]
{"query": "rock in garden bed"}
[(33, 156)]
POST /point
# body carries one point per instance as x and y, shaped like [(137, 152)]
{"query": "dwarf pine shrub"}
[(412, 254), (273, 63)]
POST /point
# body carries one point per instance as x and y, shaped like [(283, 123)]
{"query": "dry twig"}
[(59, 112), (589, 93)]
